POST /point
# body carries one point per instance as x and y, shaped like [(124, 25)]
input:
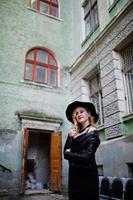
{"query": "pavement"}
[(43, 195)]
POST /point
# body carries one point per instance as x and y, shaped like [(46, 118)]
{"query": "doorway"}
[(41, 162), (38, 160)]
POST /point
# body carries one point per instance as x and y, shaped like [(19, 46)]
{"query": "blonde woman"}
[(79, 150)]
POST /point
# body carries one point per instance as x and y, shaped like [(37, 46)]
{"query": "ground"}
[(42, 195)]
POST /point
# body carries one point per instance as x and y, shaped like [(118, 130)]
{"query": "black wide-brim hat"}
[(87, 105)]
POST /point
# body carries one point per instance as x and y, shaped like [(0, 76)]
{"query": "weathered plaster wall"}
[(114, 156), (21, 30)]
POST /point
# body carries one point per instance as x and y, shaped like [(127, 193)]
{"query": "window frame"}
[(99, 95), (90, 14), (50, 6), (126, 70), (36, 63)]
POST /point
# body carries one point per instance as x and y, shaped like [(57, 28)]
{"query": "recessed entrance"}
[(41, 160), (38, 160)]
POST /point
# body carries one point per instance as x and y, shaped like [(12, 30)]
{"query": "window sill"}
[(38, 84), (127, 117), (113, 5), (47, 15), (89, 35)]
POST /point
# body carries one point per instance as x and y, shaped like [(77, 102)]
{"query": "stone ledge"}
[(127, 117)]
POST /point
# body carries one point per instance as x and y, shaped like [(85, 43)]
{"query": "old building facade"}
[(52, 53)]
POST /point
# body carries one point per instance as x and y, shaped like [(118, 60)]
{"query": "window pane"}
[(54, 11), (41, 75), (96, 14), (53, 77), (88, 24), (127, 55), (129, 83), (95, 100), (52, 61), (92, 20), (96, 96), (44, 7), (93, 86), (90, 16), (41, 56), (28, 71), (30, 55)]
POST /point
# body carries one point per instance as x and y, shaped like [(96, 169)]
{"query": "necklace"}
[(84, 128)]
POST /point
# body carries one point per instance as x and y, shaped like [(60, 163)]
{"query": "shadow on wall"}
[(116, 188)]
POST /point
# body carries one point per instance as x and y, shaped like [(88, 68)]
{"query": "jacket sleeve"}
[(87, 155), (67, 144)]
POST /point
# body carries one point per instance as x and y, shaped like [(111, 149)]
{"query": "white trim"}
[(41, 125)]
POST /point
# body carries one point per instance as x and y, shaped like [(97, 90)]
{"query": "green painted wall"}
[(21, 30)]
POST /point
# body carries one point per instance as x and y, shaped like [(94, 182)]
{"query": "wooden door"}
[(55, 162), (24, 157)]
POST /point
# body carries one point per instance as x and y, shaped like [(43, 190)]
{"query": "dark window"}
[(49, 7), (41, 67), (90, 15), (130, 170)]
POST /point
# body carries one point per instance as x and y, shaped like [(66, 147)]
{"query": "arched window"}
[(49, 7), (41, 67)]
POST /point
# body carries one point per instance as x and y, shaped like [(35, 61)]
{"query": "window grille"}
[(96, 96), (127, 55)]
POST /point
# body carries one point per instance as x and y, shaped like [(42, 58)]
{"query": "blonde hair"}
[(77, 126), (92, 121)]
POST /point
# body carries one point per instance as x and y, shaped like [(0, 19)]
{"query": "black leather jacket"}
[(82, 149)]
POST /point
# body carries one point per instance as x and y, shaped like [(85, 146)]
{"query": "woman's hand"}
[(72, 133), (68, 150)]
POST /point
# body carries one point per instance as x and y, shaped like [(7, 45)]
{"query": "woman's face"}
[(81, 115)]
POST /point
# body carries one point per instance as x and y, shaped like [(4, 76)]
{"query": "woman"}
[(79, 150)]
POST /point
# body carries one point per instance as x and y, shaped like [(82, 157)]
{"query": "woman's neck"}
[(84, 125)]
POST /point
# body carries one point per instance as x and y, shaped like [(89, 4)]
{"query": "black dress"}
[(83, 174)]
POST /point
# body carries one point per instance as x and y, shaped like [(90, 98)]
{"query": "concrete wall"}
[(103, 50)]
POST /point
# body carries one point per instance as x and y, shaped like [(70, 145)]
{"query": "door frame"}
[(25, 142)]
